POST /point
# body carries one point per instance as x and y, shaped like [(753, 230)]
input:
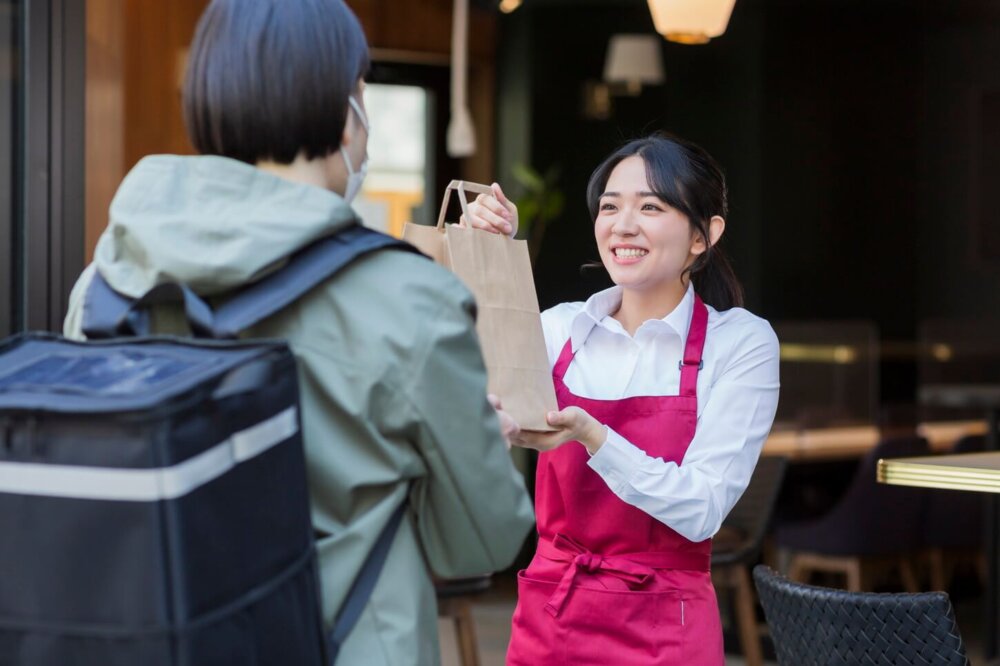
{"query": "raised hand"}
[(492, 212)]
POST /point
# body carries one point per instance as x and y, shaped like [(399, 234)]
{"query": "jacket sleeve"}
[(472, 510)]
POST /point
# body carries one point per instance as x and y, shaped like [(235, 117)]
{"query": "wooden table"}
[(976, 472)]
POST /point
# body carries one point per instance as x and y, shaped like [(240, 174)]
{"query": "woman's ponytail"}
[(716, 282)]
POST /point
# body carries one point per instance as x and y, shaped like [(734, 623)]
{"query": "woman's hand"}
[(492, 212), (508, 426), (574, 424)]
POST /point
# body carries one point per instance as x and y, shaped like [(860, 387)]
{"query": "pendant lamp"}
[(461, 138), (691, 21)]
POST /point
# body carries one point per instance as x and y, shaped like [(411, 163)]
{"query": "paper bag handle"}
[(460, 186)]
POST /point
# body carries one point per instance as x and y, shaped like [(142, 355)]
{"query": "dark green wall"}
[(852, 133), (712, 96)]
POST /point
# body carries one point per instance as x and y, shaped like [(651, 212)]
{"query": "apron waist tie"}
[(632, 568)]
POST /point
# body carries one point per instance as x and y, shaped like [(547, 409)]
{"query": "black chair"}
[(737, 546), (953, 526), (871, 524), (824, 627)]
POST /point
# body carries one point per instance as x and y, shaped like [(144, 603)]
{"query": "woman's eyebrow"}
[(641, 194)]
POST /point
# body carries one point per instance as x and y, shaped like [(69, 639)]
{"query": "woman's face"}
[(644, 243)]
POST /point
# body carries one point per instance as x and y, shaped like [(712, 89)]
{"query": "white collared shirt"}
[(737, 400)]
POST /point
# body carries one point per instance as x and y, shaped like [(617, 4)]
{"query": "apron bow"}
[(581, 559)]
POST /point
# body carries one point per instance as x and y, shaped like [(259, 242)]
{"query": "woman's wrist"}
[(595, 438)]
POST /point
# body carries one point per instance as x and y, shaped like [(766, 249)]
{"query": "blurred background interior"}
[(861, 140)]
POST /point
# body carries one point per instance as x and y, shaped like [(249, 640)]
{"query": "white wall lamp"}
[(691, 21), (632, 61), (460, 140)]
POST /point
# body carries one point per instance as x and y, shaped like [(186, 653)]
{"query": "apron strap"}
[(562, 363), (693, 362)]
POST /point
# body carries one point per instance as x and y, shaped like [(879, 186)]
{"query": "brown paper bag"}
[(497, 271)]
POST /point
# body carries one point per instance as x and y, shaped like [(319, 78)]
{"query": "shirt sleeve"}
[(693, 498)]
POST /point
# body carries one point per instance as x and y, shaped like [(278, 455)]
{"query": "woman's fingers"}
[(541, 441), (571, 418), (488, 214), (493, 205), (508, 206), (482, 218), (501, 197), (508, 426), (490, 210)]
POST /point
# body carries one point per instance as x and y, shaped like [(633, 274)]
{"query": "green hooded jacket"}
[(393, 386)]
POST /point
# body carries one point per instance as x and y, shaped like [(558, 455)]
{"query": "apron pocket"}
[(643, 628), (637, 627), (536, 638)]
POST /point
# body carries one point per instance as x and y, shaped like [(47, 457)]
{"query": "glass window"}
[(395, 189)]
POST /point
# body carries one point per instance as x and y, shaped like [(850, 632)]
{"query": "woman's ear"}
[(716, 227)]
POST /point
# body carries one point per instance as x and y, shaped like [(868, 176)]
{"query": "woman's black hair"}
[(267, 79), (688, 179)]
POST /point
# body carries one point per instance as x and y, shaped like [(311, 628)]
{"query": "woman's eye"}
[(607, 206), (650, 206)]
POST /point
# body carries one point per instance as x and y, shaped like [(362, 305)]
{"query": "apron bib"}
[(609, 583)]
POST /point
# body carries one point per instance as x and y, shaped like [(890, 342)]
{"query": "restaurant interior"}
[(861, 142)]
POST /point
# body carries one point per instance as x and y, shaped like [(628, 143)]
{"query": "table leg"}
[(992, 526)]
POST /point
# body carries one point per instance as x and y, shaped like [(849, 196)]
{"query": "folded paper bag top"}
[(497, 271)]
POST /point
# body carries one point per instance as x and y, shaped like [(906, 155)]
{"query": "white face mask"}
[(355, 178)]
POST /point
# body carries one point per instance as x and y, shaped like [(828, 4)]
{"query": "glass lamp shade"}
[(634, 60), (691, 21)]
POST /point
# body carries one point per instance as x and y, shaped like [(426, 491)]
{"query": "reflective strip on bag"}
[(148, 485)]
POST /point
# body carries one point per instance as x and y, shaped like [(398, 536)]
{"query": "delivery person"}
[(667, 389), (393, 386)]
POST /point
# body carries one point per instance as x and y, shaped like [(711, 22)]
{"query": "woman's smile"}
[(628, 254)]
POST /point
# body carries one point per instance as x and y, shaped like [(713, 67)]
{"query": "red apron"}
[(609, 584)]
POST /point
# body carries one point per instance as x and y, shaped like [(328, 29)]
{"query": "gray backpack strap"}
[(107, 314), (305, 270), (364, 584)]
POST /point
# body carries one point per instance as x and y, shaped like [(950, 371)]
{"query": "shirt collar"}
[(604, 303)]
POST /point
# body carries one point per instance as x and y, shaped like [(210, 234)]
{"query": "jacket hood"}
[(210, 222)]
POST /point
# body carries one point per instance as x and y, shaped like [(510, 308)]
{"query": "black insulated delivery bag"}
[(153, 505)]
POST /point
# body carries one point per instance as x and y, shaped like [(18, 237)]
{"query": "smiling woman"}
[(667, 390), (645, 243)]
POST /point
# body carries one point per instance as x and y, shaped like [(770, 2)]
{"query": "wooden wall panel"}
[(157, 33), (105, 114), (423, 26), (134, 58)]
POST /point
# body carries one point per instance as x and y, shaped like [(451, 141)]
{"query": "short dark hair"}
[(267, 79), (685, 177)]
